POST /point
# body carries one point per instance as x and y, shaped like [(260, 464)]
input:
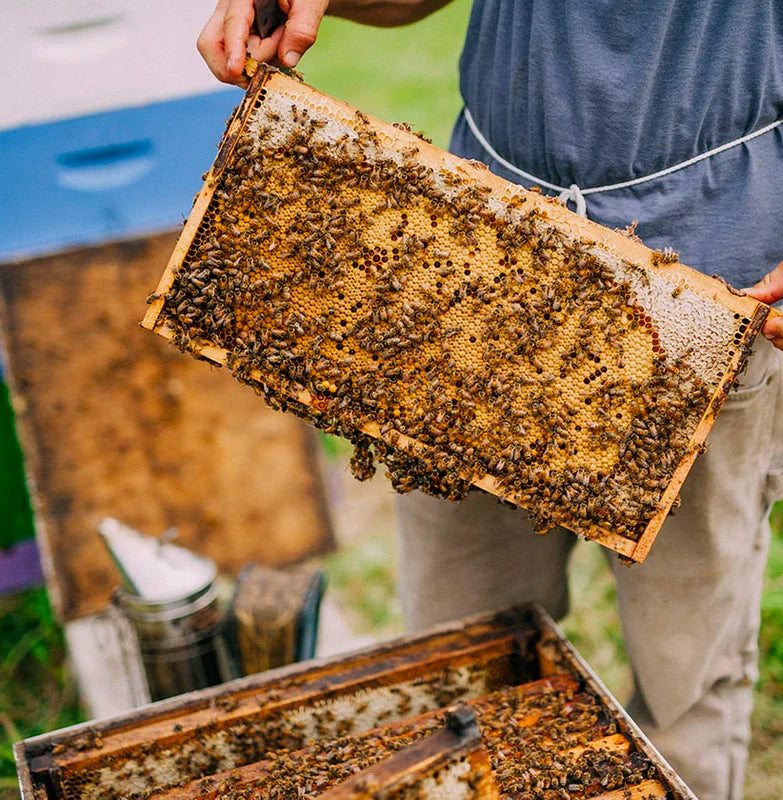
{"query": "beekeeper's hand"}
[(226, 37), (769, 290)]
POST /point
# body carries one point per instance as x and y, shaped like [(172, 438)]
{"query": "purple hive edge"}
[(20, 567)]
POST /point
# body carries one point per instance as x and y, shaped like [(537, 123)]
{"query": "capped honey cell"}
[(457, 329)]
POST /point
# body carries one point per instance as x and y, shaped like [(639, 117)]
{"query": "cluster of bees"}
[(537, 736), (211, 749), (447, 335), (551, 738)]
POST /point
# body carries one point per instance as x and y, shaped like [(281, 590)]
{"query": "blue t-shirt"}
[(596, 92)]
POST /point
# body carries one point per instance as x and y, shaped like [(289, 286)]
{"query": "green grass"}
[(16, 522), (765, 770), (334, 447), (404, 74), (593, 624), (37, 691), (362, 576), (771, 639)]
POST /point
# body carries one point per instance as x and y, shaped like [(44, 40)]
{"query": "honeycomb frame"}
[(654, 344)]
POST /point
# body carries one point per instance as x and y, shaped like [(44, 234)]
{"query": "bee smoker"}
[(168, 598)]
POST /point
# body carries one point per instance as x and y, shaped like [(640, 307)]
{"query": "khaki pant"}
[(690, 612)]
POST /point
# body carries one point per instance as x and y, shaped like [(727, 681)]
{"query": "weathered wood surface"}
[(114, 425)]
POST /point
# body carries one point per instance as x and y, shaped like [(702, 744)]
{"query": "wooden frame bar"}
[(458, 743)]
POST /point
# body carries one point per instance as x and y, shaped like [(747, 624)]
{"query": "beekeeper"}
[(668, 113)]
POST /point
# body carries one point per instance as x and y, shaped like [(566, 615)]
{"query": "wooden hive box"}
[(98, 442), (303, 730), (465, 331)]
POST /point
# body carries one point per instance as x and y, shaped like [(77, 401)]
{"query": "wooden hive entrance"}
[(460, 329)]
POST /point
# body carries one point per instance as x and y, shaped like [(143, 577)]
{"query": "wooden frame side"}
[(26, 790), (204, 198)]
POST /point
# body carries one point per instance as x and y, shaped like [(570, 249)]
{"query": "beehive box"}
[(98, 442), (464, 331), (303, 730)]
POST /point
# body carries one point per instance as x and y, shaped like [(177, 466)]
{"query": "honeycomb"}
[(547, 739), (264, 732), (462, 331)]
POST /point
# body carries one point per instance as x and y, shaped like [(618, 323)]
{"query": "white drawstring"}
[(577, 195)]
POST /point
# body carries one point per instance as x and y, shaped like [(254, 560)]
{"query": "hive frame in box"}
[(452, 757), (611, 244), (116, 749)]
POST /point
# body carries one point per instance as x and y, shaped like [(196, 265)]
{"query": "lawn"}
[(398, 74), (408, 74)]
